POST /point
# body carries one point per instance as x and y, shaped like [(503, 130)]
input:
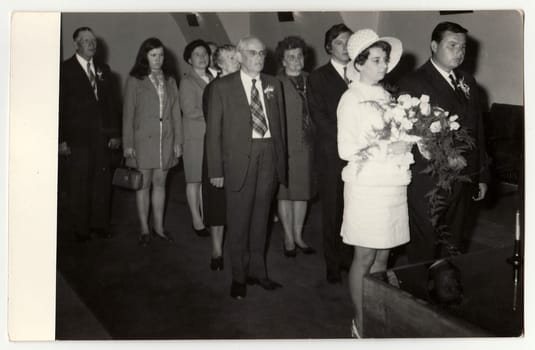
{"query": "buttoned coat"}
[(141, 123), (190, 94), (294, 116)]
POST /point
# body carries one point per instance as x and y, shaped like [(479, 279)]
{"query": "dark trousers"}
[(248, 214), (331, 195), (458, 217), (87, 188)]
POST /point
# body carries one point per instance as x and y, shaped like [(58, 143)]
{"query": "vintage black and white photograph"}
[(290, 175)]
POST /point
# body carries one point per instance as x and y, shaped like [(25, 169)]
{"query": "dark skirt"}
[(300, 177), (213, 200)]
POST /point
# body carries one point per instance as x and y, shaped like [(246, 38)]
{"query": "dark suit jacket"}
[(427, 80), (325, 88), (229, 129), (82, 118)]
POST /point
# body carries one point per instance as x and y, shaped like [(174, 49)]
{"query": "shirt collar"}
[(248, 79), (338, 66), (83, 61), (442, 72)]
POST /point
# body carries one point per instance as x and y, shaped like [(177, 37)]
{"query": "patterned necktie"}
[(458, 90), (257, 113), (92, 79), (345, 76)]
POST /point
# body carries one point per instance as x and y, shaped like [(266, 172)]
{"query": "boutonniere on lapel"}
[(268, 91), (100, 74), (464, 87)]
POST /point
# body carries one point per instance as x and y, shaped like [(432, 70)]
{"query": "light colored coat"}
[(141, 123), (190, 94)]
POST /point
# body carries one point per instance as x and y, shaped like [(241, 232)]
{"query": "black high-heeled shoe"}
[(143, 239), (203, 232), (305, 250), (290, 253), (216, 264), (165, 236)]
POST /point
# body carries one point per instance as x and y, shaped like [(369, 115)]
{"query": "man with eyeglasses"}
[(246, 154), (326, 85), (89, 132)]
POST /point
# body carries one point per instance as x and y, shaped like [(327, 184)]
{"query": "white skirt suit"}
[(375, 183)]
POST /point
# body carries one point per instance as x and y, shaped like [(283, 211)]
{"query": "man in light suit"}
[(457, 92), (246, 153), (89, 131), (326, 85)]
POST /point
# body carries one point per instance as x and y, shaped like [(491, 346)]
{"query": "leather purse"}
[(127, 178)]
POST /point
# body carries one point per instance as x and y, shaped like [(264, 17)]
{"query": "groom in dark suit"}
[(88, 134), (455, 91), (326, 85), (246, 153)]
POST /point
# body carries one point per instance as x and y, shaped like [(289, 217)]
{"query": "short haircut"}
[(219, 53), (81, 29), (438, 32), (363, 56), (141, 67), (243, 41), (290, 43), (333, 33), (188, 50)]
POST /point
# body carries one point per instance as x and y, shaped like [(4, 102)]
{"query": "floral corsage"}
[(100, 74), (269, 92), (464, 87)]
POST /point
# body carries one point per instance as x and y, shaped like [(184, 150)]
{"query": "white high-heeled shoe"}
[(354, 331)]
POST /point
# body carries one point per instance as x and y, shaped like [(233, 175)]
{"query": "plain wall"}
[(311, 26), (236, 24), (120, 36), (494, 54)]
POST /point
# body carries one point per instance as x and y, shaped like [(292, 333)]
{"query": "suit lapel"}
[(441, 85), (147, 84), (242, 104), (82, 75), (449, 100), (336, 77), (268, 99), (197, 79)]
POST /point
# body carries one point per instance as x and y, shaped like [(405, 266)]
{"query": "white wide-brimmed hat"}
[(364, 38)]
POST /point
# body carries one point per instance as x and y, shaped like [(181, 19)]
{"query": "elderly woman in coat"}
[(152, 132), (293, 199)]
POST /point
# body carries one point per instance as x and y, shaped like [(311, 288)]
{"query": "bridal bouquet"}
[(440, 139)]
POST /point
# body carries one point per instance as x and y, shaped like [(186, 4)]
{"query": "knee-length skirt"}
[(375, 216)]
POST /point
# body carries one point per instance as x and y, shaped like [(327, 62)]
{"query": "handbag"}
[(127, 177)]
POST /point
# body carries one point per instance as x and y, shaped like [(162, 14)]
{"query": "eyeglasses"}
[(253, 53)]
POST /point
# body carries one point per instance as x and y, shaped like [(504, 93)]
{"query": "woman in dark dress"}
[(293, 199), (213, 198)]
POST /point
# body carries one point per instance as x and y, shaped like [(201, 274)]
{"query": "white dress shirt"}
[(247, 83), (83, 63), (445, 75), (339, 68)]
